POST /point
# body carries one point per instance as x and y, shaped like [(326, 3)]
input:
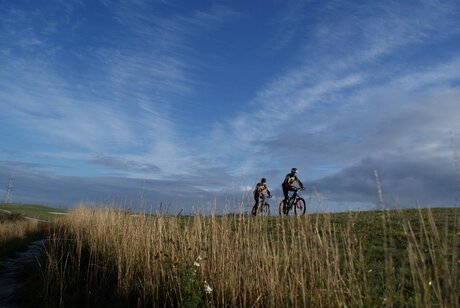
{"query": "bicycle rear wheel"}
[(254, 211), (300, 206), (265, 209)]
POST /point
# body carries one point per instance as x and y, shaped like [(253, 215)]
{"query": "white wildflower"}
[(196, 264), (198, 259), (207, 288), (430, 283)]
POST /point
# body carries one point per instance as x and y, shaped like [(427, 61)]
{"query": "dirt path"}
[(12, 271)]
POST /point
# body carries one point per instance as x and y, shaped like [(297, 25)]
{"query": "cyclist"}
[(259, 193), (288, 186)]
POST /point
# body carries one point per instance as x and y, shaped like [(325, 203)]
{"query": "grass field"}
[(356, 259), (34, 211)]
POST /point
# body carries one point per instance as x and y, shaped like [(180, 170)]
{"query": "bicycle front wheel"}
[(300, 206), (266, 209)]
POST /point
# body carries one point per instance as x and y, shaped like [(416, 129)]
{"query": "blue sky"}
[(191, 102)]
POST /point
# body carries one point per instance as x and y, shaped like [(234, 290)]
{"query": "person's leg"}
[(286, 198), (254, 208), (294, 189), (262, 203), (286, 194)]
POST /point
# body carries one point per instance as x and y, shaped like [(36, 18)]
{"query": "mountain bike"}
[(261, 208), (294, 202)]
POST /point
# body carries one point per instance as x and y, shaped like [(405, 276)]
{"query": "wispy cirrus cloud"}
[(124, 165), (149, 68)]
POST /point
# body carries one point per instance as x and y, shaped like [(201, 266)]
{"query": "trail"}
[(12, 271)]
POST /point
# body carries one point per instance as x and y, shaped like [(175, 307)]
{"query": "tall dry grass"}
[(12, 230), (307, 261)]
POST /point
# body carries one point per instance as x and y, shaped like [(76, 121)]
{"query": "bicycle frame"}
[(293, 199)]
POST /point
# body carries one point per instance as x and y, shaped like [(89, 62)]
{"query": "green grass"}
[(33, 210)]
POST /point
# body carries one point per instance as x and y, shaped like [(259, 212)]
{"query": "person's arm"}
[(300, 183), (268, 191)]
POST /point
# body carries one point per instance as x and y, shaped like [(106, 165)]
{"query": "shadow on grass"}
[(86, 285), (19, 267)]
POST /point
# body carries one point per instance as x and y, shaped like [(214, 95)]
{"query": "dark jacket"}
[(291, 179)]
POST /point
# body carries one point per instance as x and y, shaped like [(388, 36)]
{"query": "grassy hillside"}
[(356, 259), (34, 211)]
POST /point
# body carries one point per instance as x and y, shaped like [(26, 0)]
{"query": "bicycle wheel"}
[(282, 210), (254, 211), (260, 209), (266, 209), (300, 207)]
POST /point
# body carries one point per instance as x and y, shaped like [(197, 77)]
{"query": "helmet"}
[(263, 180), (294, 170)]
